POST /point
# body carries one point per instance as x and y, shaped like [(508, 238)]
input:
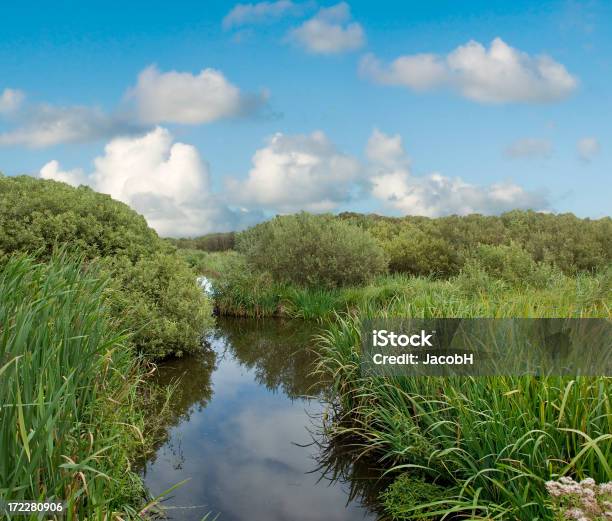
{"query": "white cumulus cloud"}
[(588, 148), (387, 151), (52, 170), (10, 100), (298, 172), (166, 181), (530, 148), (261, 12), (434, 194), (182, 97), (330, 31), (499, 74)]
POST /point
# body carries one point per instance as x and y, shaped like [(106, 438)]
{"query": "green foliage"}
[(508, 263), (158, 292), (491, 442), (570, 244), (210, 264), (311, 304), (38, 215), (153, 290), (240, 291), (312, 251), (491, 265), (69, 422), (412, 498), (210, 242), (415, 252)]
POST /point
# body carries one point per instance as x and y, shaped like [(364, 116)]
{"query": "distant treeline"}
[(209, 242), (443, 246), (423, 245)]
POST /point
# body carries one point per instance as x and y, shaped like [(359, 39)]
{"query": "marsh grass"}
[(69, 423), (490, 442), (241, 292)]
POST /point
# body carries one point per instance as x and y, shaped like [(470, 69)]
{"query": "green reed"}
[(68, 381), (489, 442)]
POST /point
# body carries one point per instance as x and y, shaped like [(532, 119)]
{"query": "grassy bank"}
[(241, 291), (481, 448), (69, 417)]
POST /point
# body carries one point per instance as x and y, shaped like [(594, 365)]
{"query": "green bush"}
[(38, 215), (310, 251), (153, 290), (240, 291), (417, 253), (158, 296), (571, 244), (509, 263), (212, 242)]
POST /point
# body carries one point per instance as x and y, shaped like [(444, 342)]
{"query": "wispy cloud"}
[(11, 100), (262, 12), (47, 125), (530, 148), (499, 74), (588, 148), (330, 31), (159, 97), (434, 194)]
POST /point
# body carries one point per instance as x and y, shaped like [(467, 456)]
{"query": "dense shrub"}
[(571, 244), (37, 215), (158, 293), (153, 292), (241, 291), (510, 263), (415, 252), (310, 250), (209, 242)]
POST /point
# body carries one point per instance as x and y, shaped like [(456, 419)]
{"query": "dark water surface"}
[(239, 426)]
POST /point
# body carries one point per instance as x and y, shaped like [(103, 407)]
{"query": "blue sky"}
[(212, 115)]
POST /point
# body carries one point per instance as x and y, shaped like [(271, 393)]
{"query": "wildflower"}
[(584, 501)]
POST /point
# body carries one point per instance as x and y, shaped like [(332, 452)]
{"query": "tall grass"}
[(488, 443), (241, 292), (68, 380)]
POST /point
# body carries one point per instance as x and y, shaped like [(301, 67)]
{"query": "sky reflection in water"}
[(237, 432)]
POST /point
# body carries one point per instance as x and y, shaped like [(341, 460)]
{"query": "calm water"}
[(242, 431)]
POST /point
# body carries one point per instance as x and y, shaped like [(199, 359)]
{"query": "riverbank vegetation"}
[(151, 288), (477, 448), (69, 416), (89, 296)]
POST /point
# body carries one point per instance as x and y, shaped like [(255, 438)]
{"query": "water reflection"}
[(240, 431), (280, 354), (337, 462)]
